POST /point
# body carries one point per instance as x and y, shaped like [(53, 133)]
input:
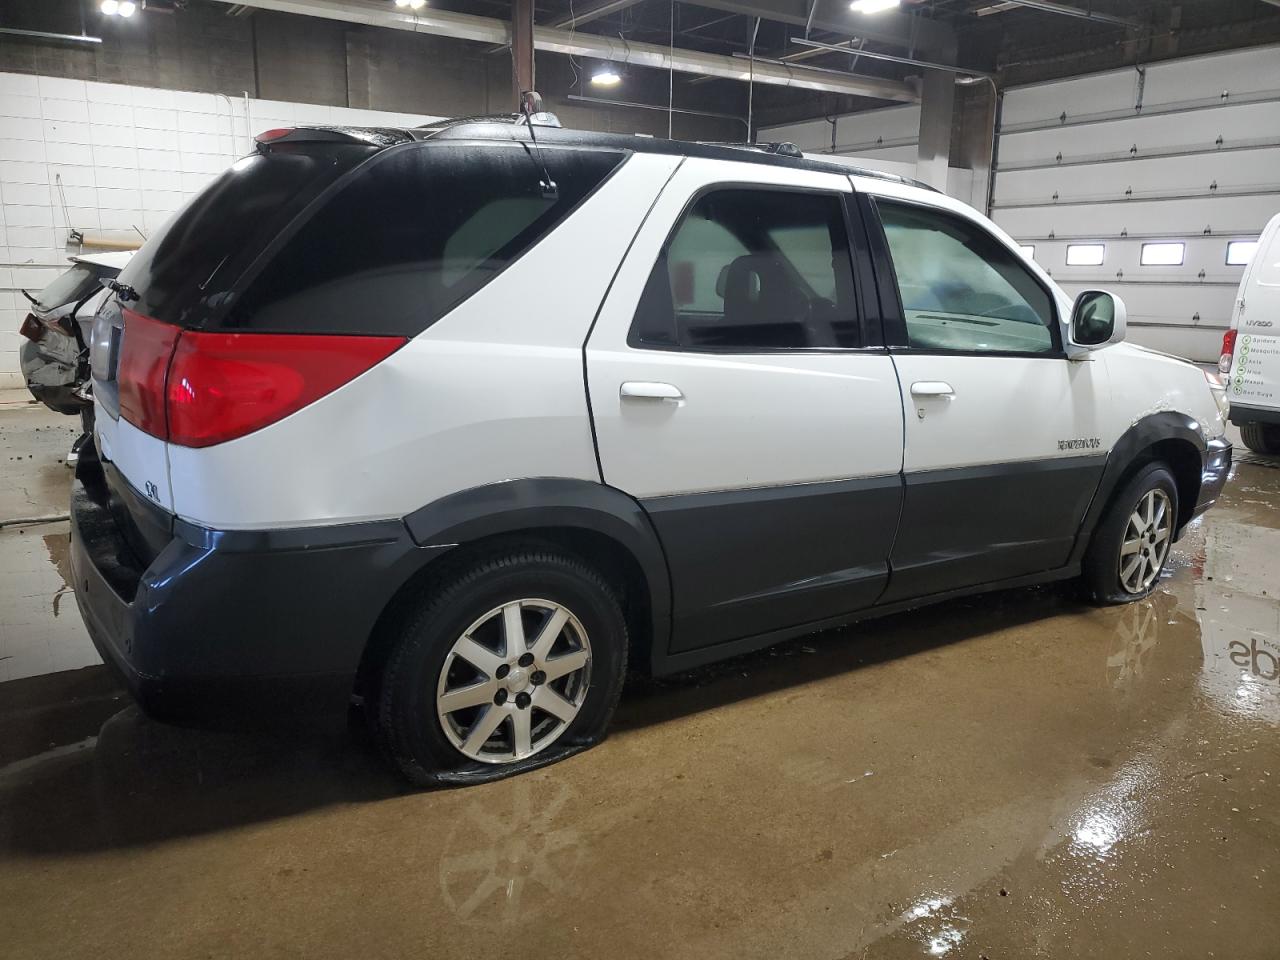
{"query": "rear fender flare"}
[(513, 506)]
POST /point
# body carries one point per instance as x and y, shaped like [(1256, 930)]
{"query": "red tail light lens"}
[(1228, 348), (225, 385), (197, 389), (145, 350), (32, 328)]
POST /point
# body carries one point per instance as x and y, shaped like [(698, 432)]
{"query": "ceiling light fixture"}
[(110, 7), (606, 77), (127, 8), (412, 4), (873, 6)]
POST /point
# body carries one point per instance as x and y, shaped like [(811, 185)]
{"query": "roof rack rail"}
[(782, 148)]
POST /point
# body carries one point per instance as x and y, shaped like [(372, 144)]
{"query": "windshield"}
[(70, 287)]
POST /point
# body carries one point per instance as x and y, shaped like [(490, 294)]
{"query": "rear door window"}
[(752, 270), (412, 234)]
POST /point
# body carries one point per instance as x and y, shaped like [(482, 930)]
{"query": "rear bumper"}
[(1215, 465), (232, 628), (1242, 413)]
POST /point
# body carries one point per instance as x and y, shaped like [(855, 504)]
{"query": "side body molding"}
[(512, 506), (1128, 449)]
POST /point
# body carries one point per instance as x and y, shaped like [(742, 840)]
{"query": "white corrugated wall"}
[(1184, 151)]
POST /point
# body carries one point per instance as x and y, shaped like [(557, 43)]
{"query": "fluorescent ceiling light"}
[(1240, 252), (1162, 254), (606, 77), (873, 6), (1086, 254)]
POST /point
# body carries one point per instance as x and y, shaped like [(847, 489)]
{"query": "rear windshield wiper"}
[(122, 290)]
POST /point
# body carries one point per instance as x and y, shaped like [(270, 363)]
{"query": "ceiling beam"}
[(1047, 6), (871, 55), (591, 12), (462, 26)]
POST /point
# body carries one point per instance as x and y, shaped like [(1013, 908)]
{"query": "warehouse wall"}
[(1187, 152), (885, 139), (122, 158)]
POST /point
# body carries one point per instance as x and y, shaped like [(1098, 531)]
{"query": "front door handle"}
[(647, 390), (932, 388)]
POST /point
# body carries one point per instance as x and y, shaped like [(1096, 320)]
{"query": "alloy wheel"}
[(514, 680), (1146, 542)]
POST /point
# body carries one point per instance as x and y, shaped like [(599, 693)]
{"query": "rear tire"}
[(510, 665), (1134, 538), (1261, 437)]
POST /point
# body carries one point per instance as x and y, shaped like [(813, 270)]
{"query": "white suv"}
[(458, 423)]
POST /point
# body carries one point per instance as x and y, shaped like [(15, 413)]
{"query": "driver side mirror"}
[(1097, 319)]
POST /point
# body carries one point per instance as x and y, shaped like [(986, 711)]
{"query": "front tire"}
[(1261, 437), (1133, 539), (513, 664)]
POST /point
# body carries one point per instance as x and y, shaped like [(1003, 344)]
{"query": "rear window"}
[(413, 233), (184, 271), (70, 287)]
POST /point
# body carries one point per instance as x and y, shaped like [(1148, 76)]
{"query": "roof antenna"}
[(531, 105)]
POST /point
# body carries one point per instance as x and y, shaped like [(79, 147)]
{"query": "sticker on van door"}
[(1255, 374)]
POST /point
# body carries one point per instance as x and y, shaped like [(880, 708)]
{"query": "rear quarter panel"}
[(492, 391)]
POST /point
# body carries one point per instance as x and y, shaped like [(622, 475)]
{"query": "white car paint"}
[(738, 424), (491, 392), (494, 390)]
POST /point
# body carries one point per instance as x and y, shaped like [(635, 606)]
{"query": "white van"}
[(1251, 348)]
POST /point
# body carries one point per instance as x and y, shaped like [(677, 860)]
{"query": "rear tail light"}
[(1228, 348), (196, 389), (32, 328), (144, 359)]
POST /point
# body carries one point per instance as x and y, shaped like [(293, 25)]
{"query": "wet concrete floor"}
[(1017, 775)]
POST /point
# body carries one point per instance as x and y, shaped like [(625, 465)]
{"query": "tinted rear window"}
[(70, 287), (184, 270), (413, 233)]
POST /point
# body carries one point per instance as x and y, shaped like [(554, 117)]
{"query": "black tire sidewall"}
[(407, 714), (1102, 562), (1263, 438)]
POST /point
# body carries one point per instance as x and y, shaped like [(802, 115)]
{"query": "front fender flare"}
[(1127, 450)]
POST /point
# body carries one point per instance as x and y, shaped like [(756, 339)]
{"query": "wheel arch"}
[(1172, 438), (599, 524)]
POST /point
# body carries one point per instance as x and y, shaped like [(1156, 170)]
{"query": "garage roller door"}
[(1181, 158)]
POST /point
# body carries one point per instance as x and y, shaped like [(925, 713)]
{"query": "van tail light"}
[(196, 389), (1228, 348)]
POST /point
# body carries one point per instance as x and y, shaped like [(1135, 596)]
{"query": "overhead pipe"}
[(463, 26), (872, 55), (1047, 6)]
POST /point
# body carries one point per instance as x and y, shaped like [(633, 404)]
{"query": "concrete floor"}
[(1017, 775)]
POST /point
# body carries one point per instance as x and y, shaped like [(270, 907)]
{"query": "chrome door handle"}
[(932, 388), (646, 390)]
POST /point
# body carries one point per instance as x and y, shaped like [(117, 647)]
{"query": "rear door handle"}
[(932, 388), (647, 390)]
